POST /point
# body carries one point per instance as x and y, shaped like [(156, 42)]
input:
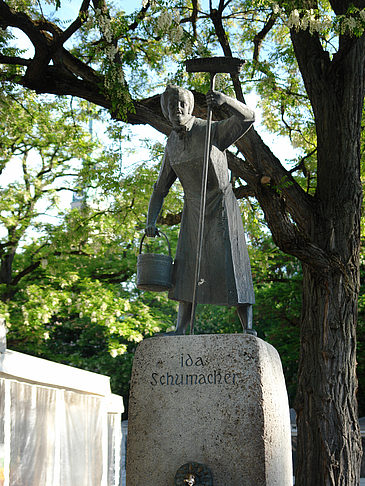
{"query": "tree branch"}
[(243, 192), (141, 15), (58, 189), (170, 219), (313, 62), (260, 36), (259, 156), (116, 277), (12, 18), (216, 17), (287, 235), (15, 280), (79, 68), (301, 165), (14, 60), (76, 24), (194, 17), (25, 172), (39, 38)]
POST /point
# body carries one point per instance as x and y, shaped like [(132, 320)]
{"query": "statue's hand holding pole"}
[(235, 107), (215, 98)]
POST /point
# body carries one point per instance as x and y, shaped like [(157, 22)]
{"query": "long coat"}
[(225, 275)]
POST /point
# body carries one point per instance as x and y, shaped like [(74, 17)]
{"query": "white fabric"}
[(32, 444), (81, 440), (57, 437), (123, 453), (114, 440)]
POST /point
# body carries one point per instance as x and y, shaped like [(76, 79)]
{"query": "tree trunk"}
[(6, 265), (329, 444)]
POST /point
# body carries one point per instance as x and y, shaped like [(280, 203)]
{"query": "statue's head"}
[(177, 105)]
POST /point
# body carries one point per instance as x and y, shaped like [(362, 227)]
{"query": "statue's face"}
[(179, 109)]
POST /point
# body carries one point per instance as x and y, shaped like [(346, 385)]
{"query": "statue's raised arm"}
[(228, 131)]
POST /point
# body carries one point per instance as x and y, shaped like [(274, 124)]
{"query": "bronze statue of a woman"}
[(225, 275)]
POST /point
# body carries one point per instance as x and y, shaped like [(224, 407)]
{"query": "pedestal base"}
[(219, 400)]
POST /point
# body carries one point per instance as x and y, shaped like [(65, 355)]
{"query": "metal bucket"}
[(154, 271)]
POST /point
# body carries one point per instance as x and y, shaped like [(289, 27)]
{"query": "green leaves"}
[(68, 289), (44, 142)]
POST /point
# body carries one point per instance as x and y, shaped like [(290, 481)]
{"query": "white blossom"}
[(110, 51), (304, 23), (326, 22), (314, 25), (294, 19), (188, 47), (309, 21), (349, 24), (115, 81), (314, 22), (104, 25), (276, 9), (108, 36), (176, 15), (164, 21), (177, 34), (200, 48)]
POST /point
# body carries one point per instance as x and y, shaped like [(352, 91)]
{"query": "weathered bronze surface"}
[(225, 276)]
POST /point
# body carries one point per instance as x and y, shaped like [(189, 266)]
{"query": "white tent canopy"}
[(59, 425)]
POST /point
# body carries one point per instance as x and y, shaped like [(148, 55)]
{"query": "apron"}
[(225, 272)]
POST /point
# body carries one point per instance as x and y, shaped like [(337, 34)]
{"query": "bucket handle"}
[(159, 232)]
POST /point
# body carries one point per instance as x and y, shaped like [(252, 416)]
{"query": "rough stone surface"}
[(219, 400)]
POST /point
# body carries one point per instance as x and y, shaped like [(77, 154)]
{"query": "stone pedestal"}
[(219, 400)]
